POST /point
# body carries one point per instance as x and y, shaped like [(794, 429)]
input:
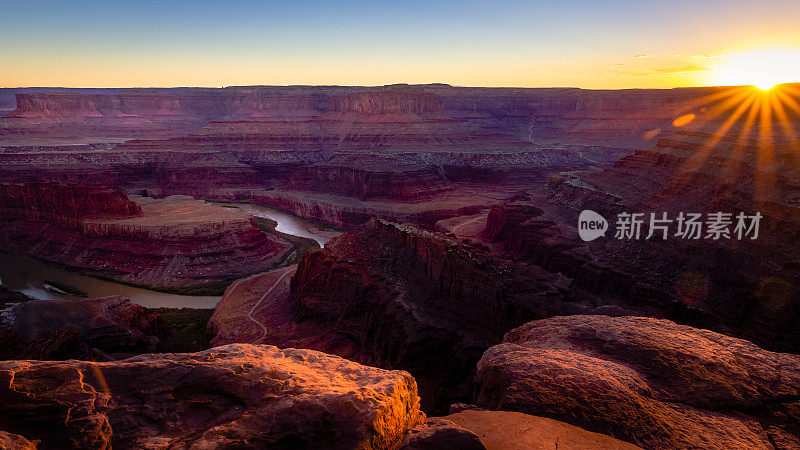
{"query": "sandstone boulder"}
[(10, 441), (437, 433), (506, 430), (235, 396), (647, 381)]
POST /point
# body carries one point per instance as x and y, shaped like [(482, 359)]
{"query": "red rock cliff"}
[(176, 243), (391, 100), (397, 296), (63, 202)]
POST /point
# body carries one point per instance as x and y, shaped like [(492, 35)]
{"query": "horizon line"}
[(382, 85)]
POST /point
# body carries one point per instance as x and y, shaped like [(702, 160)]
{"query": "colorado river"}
[(288, 223), (31, 278), (34, 278)]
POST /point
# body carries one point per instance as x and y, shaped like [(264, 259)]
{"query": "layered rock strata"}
[(176, 244)]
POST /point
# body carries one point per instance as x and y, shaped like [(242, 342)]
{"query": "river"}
[(33, 277), (288, 223)]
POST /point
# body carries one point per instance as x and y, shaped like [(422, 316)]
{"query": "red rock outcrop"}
[(68, 203), (239, 396), (437, 433), (369, 177), (177, 243), (10, 441), (509, 430), (109, 324), (646, 381), (393, 296)]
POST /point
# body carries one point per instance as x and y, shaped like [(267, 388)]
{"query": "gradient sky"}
[(590, 44)]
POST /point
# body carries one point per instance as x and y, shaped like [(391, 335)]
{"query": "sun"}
[(765, 85), (763, 68)]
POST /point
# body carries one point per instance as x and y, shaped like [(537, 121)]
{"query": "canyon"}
[(177, 243), (434, 290)]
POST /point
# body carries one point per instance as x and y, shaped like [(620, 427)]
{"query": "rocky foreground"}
[(389, 295), (646, 381), (576, 382)]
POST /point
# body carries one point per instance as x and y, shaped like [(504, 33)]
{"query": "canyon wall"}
[(66, 203), (197, 103), (746, 287), (417, 103), (176, 244), (409, 185), (622, 117), (396, 296)]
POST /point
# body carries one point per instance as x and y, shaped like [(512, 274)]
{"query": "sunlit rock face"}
[(646, 381), (235, 396), (476, 428), (15, 441), (393, 296)]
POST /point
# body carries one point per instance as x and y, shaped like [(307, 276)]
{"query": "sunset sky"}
[(590, 44)]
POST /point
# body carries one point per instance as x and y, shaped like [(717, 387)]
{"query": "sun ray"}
[(783, 118), (765, 176), (701, 107), (738, 152), (744, 100), (789, 101)]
